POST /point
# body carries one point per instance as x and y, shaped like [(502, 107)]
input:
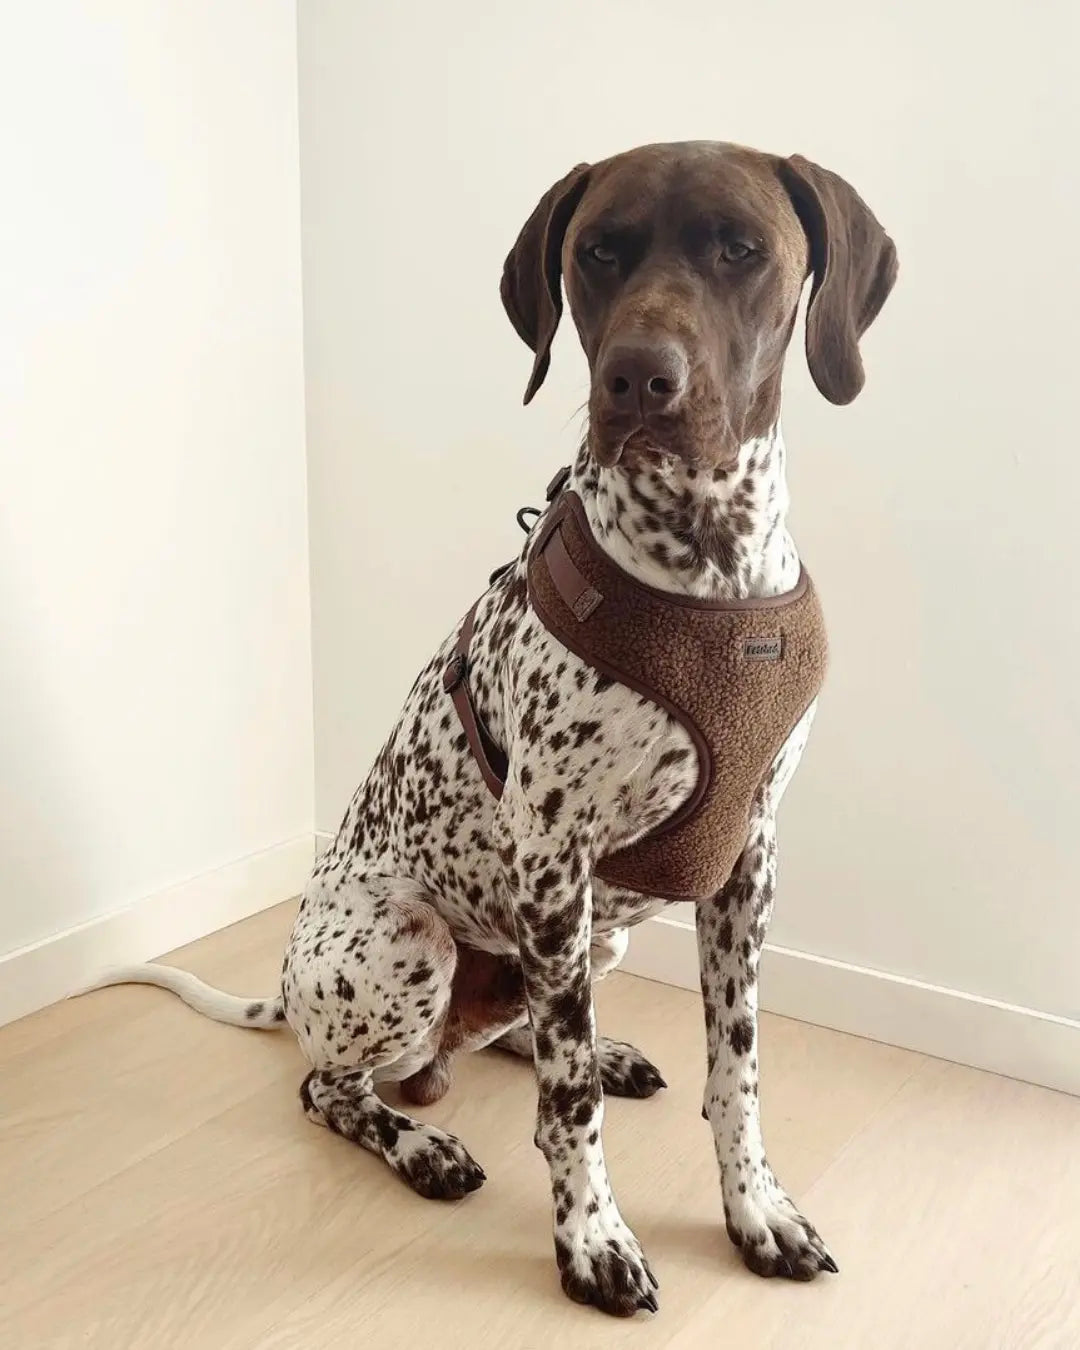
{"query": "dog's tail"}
[(264, 1014)]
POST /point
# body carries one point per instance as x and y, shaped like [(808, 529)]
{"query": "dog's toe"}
[(605, 1267), (774, 1239), (625, 1072), (436, 1165)]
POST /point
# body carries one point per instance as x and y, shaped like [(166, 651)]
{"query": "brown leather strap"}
[(581, 598), (488, 755), (491, 759)]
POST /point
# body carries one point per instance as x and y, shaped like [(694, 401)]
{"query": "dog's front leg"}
[(547, 876), (762, 1221)]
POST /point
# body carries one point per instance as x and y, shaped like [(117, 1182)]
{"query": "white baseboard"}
[(1017, 1042), (32, 977)]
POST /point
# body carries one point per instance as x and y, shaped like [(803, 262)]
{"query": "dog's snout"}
[(644, 376)]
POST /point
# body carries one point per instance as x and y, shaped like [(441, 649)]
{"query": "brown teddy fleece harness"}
[(738, 675)]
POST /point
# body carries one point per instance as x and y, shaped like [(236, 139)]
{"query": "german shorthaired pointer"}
[(444, 919)]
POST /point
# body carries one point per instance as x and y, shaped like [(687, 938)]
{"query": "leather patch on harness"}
[(576, 592)]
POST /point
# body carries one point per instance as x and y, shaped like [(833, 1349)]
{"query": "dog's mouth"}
[(638, 440), (612, 442)]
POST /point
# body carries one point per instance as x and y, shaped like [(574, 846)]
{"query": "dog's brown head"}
[(684, 265)]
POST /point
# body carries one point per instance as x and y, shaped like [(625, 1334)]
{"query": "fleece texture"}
[(737, 675)]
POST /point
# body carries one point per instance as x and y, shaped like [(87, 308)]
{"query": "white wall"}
[(155, 714), (933, 829)]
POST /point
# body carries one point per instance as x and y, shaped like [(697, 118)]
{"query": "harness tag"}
[(584, 604), (763, 648)]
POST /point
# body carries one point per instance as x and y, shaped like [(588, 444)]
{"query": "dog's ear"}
[(532, 274), (853, 262)]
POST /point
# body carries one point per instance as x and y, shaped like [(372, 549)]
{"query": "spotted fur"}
[(440, 920), (592, 766), (429, 876)]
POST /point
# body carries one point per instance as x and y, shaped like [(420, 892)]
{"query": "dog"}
[(443, 919)]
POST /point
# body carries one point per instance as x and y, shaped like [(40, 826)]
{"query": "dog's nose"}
[(645, 375)]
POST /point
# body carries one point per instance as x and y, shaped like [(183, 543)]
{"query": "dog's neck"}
[(712, 534)]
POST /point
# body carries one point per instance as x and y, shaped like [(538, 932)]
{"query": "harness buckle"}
[(557, 483)]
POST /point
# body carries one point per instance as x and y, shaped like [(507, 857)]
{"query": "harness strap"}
[(490, 758)]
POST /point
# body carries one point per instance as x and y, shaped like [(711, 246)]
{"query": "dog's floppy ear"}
[(532, 274), (854, 266)]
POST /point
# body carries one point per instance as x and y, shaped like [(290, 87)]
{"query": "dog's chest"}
[(615, 908), (425, 812)]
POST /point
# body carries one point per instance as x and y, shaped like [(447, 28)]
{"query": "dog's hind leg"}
[(624, 1070), (435, 1164), (366, 987)]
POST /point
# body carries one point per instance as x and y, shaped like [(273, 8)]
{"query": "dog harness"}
[(737, 674)]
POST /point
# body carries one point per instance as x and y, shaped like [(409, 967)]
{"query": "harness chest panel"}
[(737, 675)]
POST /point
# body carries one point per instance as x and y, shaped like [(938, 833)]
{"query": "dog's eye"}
[(735, 251), (597, 253)]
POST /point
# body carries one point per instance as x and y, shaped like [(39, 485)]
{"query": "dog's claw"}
[(774, 1238), (603, 1265), (625, 1072), (436, 1165)]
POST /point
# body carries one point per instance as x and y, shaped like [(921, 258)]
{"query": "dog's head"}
[(684, 265)]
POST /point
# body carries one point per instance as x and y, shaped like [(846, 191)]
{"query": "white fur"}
[(232, 1009)]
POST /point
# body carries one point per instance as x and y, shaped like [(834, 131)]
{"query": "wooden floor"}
[(160, 1188)]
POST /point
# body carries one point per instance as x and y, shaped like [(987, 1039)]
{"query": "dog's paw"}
[(436, 1165), (773, 1237), (601, 1263), (625, 1072)]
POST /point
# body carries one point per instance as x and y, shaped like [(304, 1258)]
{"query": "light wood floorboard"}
[(160, 1188)]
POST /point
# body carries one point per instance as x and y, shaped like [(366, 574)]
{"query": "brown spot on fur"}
[(741, 1035), (551, 806)]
